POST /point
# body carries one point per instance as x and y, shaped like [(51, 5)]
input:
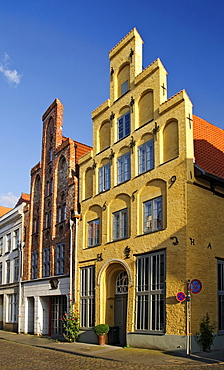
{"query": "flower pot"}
[(101, 339)]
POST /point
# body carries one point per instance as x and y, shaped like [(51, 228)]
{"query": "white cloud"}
[(8, 200), (11, 76)]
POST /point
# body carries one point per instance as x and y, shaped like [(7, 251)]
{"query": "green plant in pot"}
[(101, 330)]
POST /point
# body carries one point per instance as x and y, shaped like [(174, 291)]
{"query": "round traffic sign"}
[(195, 286), (181, 296)]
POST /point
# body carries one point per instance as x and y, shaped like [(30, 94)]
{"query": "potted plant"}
[(101, 330)]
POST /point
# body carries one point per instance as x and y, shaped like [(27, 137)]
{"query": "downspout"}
[(71, 223)]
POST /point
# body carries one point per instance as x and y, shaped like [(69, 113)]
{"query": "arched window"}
[(123, 80), (122, 283), (104, 136), (146, 108), (89, 183), (170, 141)]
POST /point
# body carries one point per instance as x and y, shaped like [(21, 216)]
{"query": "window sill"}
[(149, 233), (117, 240)]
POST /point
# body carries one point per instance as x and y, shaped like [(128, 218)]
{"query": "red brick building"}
[(51, 228)]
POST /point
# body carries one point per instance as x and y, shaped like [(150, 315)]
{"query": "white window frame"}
[(220, 279), (60, 260), (12, 308), (8, 271), (1, 245), (123, 168), (124, 125), (16, 239), (34, 265), (120, 224), (146, 157), (94, 232), (16, 269), (153, 215), (46, 262), (9, 242), (87, 297), (150, 292), (104, 178)]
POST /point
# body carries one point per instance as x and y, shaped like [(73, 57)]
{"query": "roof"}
[(24, 198), (208, 147), (4, 210)]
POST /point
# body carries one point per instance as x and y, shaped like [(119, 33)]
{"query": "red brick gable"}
[(208, 147)]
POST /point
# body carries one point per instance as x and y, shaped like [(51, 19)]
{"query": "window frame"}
[(12, 308), (124, 168), (144, 163), (34, 265), (8, 242), (87, 297), (120, 224), (16, 235), (8, 271), (1, 245), (151, 293), (104, 178), (153, 203), (93, 233), (1, 274), (46, 262), (16, 269), (60, 259), (124, 125), (124, 87)]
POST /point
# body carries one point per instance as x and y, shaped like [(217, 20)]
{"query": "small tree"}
[(206, 334), (70, 322)]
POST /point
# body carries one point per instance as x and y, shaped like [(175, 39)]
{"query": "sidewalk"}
[(128, 355)]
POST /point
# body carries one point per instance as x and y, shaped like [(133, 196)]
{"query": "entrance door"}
[(30, 315), (58, 308), (120, 316), (1, 311)]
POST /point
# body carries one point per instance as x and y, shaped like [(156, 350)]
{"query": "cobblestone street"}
[(19, 356)]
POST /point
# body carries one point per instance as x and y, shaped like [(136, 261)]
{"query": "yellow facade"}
[(120, 222)]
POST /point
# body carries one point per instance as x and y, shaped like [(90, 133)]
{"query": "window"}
[(123, 169), (146, 156), (221, 296), (1, 246), (120, 224), (16, 269), (64, 212), (8, 243), (34, 265), (94, 232), (12, 308), (7, 272), (0, 272), (87, 297), (16, 239), (104, 178), (124, 87), (48, 219), (46, 262), (50, 154), (150, 293), (153, 215), (60, 259), (122, 283), (124, 126), (35, 225)]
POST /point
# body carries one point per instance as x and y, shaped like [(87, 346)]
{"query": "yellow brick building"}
[(151, 212)]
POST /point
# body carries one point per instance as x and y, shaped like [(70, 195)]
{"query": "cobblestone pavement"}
[(21, 356)]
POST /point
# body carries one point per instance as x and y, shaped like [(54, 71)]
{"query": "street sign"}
[(181, 296), (195, 286)]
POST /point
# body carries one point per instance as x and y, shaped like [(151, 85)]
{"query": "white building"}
[(11, 243)]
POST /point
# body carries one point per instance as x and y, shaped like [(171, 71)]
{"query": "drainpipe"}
[(71, 223), (77, 216)]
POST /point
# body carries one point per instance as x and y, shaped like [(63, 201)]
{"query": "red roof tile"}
[(208, 147), (4, 210), (24, 198)]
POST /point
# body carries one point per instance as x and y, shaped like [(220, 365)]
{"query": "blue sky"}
[(59, 49)]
